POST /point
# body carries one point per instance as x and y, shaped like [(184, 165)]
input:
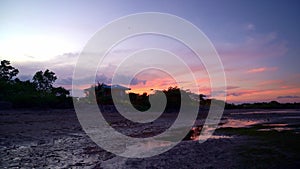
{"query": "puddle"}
[(239, 123), (195, 132), (265, 112), (276, 125), (277, 129), (215, 137), (292, 117)]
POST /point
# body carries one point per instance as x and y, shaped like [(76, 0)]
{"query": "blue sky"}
[(258, 41)]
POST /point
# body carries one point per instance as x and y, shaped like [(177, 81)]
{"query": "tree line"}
[(263, 105), (38, 92), (174, 96)]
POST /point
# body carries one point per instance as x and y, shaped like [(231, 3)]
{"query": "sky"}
[(257, 41)]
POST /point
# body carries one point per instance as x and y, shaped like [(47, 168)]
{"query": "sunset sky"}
[(258, 42)]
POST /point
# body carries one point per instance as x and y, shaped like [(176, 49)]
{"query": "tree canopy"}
[(44, 80), (39, 92), (7, 72)]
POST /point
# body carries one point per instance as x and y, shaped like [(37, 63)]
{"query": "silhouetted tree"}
[(24, 94), (60, 91), (201, 97), (44, 80), (7, 72)]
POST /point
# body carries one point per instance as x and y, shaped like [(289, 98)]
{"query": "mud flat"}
[(55, 139)]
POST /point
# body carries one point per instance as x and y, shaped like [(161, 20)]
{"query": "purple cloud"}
[(288, 97)]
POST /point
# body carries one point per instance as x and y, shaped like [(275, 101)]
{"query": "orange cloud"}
[(245, 95), (154, 84), (262, 69)]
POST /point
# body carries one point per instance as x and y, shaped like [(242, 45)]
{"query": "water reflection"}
[(275, 125), (279, 129), (195, 132), (274, 121), (266, 112), (267, 120), (239, 123)]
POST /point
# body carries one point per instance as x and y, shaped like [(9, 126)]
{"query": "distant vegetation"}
[(264, 105), (174, 95), (40, 93), (37, 93)]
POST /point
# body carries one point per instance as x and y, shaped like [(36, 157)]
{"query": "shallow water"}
[(276, 129), (238, 123), (266, 112), (276, 125), (270, 120)]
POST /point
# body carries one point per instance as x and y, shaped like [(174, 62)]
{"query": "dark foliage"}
[(7, 72), (264, 105), (140, 102), (174, 95), (37, 94)]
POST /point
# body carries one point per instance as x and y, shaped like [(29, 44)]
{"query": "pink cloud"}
[(258, 95), (262, 69), (284, 87), (271, 82)]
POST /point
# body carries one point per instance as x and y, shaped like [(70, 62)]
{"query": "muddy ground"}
[(55, 139)]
